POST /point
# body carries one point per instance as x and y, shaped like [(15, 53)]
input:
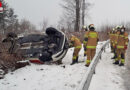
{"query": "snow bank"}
[(108, 75), (47, 77)]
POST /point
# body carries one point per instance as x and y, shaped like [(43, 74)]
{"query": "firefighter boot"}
[(121, 64), (73, 62), (77, 60), (116, 62), (113, 57), (87, 65)]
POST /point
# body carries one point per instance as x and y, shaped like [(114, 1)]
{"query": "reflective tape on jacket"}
[(126, 43), (93, 35), (91, 47), (116, 35), (121, 36), (86, 36), (78, 47), (126, 37), (120, 46)]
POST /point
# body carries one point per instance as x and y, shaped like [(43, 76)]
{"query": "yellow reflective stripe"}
[(126, 37), (78, 47), (123, 61), (120, 46), (126, 43), (121, 35), (86, 36), (91, 46), (74, 57), (88, 61), (84, 42), (93, 35), (116, 59)]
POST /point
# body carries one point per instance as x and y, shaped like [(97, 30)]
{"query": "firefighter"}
[(85, 49), (111, 36), (122, 44), (75, 42), (115, 38), (90, 39), (85, 28)]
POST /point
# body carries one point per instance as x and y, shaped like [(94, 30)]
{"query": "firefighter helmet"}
[(118, 28), (91, 27), (85, 28)]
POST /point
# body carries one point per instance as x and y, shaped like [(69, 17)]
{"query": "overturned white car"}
[(52, 46)]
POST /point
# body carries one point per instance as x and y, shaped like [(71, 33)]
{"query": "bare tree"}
[(83, 12), (44, 24), (77, 21), (26, 27), (74, 13)]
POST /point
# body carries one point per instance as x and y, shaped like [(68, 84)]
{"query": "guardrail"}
[(85, 83)]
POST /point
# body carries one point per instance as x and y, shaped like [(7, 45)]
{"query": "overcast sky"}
[(103, 11)]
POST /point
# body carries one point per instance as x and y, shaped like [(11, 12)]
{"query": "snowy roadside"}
[(108, 75), (47, 77), (126, 73)]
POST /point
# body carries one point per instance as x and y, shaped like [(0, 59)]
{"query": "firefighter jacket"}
[(122, 40), (91, 39), (111, 36), (75, 42), (116, 37)]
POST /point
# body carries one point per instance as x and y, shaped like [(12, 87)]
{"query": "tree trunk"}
[(77, 21), (83, 13)]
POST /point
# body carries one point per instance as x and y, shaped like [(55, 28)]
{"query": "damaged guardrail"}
[(85, 83)]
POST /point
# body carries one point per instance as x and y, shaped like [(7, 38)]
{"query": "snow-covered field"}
[(108, 75), (64, 77)]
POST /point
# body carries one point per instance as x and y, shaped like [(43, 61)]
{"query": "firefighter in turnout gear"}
[(122, 43), (85, 49), (111, 36), (90, 41), (75, 42), (115, 39)]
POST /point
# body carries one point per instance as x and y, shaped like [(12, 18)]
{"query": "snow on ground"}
[(47, 77), (126, 73), (108, 75)]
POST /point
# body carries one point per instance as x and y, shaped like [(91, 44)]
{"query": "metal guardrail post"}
[(85, 83)]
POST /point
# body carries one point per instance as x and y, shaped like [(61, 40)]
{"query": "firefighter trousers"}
[(112, 49), (75, 53), (120, 55), (90, 55)]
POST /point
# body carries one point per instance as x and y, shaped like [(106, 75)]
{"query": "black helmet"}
[(91, 27)]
